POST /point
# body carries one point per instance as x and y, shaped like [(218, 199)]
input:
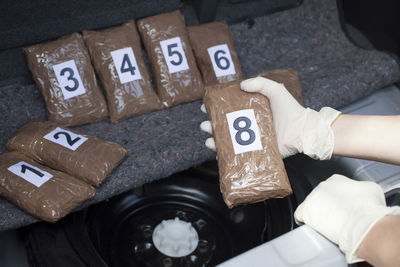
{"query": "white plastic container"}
[(302, 247)]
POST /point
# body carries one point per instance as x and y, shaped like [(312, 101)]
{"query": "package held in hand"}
[(250, 166), (85, 157), (45, 193)]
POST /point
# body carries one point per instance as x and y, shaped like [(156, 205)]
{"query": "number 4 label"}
[(69, 79), (30, 173), (245, 134), (126, 65), (174, 55), (65, 138), (221, 60)]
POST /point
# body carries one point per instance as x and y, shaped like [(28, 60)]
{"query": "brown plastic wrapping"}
[(92, 161), (289, 78), (181, 86), (251, 176), (134, 94), (52, 200), (208, 35), (85, 103)]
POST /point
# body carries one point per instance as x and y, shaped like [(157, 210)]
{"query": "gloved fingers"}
[(205, 126), (252, 85), (203, 108), (261, 85), (210, 144)]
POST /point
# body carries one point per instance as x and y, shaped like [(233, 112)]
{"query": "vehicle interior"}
[(346, 54)]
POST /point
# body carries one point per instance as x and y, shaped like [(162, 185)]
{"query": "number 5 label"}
[(245, 134), (174, 55), (126, 65), (69, 79), (65, 138), (30, 173), (221, 60)]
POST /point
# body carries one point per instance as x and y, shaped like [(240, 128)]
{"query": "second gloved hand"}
[(344, 211)]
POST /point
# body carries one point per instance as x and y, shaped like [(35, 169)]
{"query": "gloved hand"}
[(344, 211), (298, 129)]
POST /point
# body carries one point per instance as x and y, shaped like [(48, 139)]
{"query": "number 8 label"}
[(69, 79), (244, 131), (221, 60)]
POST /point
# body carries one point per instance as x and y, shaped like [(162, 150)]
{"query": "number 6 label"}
[(221, 60), (65, 138), (30, 173), (174, 55), (245, 134), (126, 65), (69, 79)]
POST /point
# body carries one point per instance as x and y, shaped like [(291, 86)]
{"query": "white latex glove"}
[(206, 127), (298, 129), (344, 211)]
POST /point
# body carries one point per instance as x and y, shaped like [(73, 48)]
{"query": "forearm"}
[(368, 137), (381, 246)]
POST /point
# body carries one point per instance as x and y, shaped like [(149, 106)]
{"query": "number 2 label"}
[(65, 138), (126, 65), (221, 60), (30, 173), (174, 55), (244, 131), (69, 79)]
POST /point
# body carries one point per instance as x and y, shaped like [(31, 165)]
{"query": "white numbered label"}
[(125, 62), (244, 131), (174, 55), (30, 173), (69, 79), (221, 60), (65, 138)]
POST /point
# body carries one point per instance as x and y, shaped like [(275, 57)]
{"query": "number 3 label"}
[(244, 131), (125, 62), (69, 79), (65, 138), (221, 60), (30, 173), (174, 55)]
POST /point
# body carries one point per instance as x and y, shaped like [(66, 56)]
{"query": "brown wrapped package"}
[(289, 78), (250, 166), (39, 190), (174, 68), (213, 47), (85, 157), (116, 54), (66, 80)]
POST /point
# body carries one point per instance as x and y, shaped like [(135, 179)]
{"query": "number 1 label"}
[(174, 55), (30, 173), (221, 60), (65, 138), (126, 65), (69, 79), (245, 134)]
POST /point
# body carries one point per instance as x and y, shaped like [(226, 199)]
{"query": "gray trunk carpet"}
[(332, 70)]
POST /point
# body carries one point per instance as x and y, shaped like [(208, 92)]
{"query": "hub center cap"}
[(175, 238)]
